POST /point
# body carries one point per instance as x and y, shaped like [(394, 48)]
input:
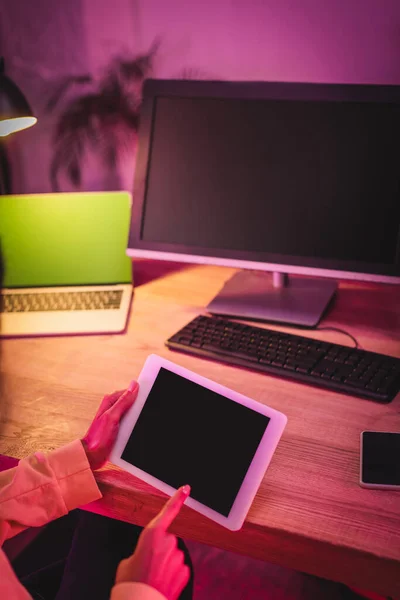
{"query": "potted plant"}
[(96, 132)]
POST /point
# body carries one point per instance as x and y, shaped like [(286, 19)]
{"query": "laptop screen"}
[(65, 239)]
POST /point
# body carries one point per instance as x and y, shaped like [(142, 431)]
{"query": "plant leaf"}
[(63, 87), (106, 120)]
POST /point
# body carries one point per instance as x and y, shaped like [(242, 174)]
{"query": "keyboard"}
[(51, 301), (332, 366)]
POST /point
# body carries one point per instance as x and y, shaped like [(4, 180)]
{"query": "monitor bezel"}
[(338, 269)]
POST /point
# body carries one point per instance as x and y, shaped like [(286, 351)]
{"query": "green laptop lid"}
[(65, 239)]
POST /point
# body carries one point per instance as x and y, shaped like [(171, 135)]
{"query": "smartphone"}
[(380, 460)]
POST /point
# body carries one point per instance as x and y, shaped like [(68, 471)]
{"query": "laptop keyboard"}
[(66, 301)]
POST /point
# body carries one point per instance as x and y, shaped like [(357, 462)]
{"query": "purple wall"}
[(312, 40), (307, 40), (40, 42)]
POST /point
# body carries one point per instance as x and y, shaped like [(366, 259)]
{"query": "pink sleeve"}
[(135, 591), (44, 487)]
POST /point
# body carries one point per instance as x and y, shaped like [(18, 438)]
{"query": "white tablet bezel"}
[(257, 468)]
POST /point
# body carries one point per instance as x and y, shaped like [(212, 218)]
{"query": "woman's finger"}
[(171, 509), (123, 403), (170, 569), (180, 581), (169, 549), (107, 402)]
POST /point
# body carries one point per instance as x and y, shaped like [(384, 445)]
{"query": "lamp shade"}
[(15, 112)]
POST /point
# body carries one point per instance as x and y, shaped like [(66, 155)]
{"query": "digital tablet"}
[(186, 429)]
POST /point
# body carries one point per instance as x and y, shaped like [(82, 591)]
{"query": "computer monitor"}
[(286, 178)]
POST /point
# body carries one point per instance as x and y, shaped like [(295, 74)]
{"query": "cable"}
[(356, 344)]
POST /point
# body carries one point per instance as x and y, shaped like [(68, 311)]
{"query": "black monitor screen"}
[(187, 434), (312, 180)]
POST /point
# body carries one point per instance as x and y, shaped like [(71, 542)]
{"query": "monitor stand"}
[(256, 295)]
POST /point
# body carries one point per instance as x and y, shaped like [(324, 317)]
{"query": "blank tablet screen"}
[(186, 433)]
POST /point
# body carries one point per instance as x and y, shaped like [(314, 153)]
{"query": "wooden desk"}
[(309, 513)]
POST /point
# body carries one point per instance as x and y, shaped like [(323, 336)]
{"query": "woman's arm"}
[(44, 487)]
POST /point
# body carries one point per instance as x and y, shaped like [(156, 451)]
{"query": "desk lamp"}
[(15, 115)]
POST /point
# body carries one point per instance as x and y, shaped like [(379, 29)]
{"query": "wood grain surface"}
[(310, 512)]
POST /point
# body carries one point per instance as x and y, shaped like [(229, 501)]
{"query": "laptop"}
[(66, 268)]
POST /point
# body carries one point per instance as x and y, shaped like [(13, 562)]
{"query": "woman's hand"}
[(103, 431), (157, 560)]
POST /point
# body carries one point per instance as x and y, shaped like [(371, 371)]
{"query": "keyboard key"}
[(195, 344), (265, 361), (245, 356), (289, 366), (337, 378), (211, 347), (277, 363)]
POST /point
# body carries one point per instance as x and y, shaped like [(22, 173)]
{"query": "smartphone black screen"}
[(380, 458)]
